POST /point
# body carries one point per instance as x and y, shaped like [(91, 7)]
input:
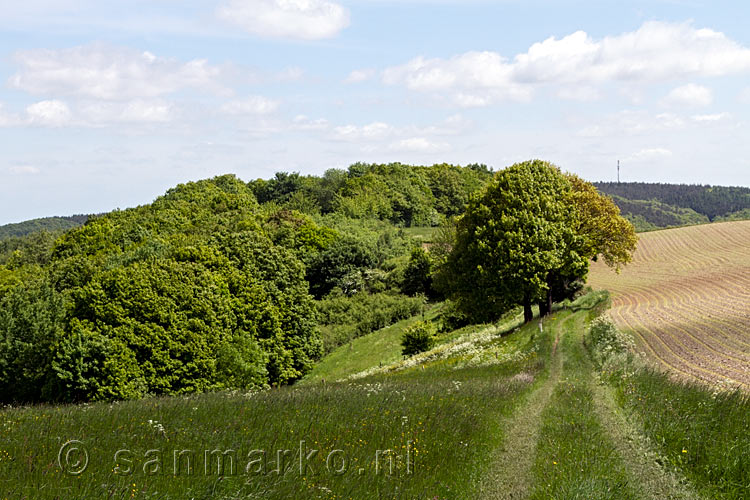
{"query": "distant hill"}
[(51, 224), (655, 205)]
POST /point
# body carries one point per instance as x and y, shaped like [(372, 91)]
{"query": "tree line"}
[(225, 284)]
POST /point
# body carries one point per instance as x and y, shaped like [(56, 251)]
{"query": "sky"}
[(107, 104)]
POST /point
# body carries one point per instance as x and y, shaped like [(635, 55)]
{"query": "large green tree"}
[(517, 232)]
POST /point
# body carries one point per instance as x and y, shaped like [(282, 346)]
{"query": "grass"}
[(424, 234), (427, 428), (380, 347), (575, 456), (440, 424), (703, 433)]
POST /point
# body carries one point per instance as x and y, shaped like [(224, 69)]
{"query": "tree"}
[(418, 274), (514, 234), (604, 232)]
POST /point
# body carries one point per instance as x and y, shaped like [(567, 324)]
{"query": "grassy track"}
[(510, 476)]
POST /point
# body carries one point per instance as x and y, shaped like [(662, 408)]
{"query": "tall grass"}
[(704, 432), (440, 424)]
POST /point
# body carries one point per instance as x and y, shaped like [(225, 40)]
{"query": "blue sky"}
[(107, 104)]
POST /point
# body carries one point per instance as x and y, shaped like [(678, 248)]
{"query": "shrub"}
[(452, 318), (419, 337), (608, 341)]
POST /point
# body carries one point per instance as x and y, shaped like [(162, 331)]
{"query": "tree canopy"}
[(531, 231)]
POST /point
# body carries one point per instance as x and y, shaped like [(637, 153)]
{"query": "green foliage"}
[(512, 236), (46, 224), (418, 337), (676, 204), (186, 294), (343, 319), (648, 215), (735, 216), (418, 274), (340, 265)]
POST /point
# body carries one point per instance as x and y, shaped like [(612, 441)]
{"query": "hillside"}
[(685, 299), (656, 205), (51, 224)]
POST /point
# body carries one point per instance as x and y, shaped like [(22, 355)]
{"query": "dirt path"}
[(652, 480), (510, 477)]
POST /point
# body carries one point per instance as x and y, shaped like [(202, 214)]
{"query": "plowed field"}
[(686, 298)]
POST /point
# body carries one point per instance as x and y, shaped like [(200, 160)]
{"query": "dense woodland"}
[(710, 202), (52, 224), (219, 283)]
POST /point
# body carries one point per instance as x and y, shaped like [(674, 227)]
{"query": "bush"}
[(419, 337), (608, 341)]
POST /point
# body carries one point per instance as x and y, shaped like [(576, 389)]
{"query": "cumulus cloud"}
[(302, 122), (253, 105), (418, 145), (689, 95), (52, 113), (372, 131), (136, 111), (360, 75), (583, 93), (712, 118), (295, 19), (109, 73), (633, 123), (657, 51)]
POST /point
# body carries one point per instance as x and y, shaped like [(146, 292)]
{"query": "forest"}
[(666, 205), (218, 283)]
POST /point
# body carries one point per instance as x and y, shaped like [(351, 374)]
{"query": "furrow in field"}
[(686, 297)]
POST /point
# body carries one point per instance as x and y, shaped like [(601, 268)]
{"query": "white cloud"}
[(418, 145), (373, 131), (295, 19), (109, 73), (360, 75), (136, 111), (23, 170), (52, 113), (712, 118), (689, 95), (650, 154), (583, 93), (655, 52), (302, 122), (253, 105), (632, 123)]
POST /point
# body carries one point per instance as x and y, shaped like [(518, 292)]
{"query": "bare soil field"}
[(686, 299)]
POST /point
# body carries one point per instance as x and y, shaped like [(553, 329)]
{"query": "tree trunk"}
[(549, 303), (543, 309), (528, 313)]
